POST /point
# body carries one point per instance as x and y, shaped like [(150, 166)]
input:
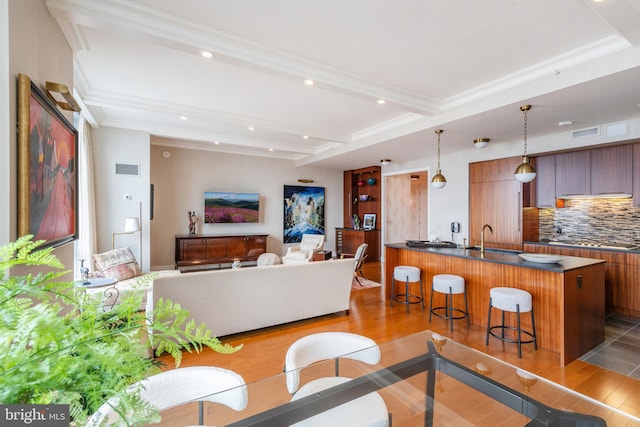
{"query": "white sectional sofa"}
[(233, 301)]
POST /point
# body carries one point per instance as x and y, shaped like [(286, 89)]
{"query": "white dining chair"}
[(368, 410), (178, 386)]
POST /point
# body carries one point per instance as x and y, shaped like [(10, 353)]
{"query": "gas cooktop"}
[(602, 245), (428, 244)]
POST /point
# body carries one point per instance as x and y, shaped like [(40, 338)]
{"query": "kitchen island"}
[(568, 296)]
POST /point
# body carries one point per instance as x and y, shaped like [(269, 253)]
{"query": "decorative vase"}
[(193, 218), (371, 181), (360, 182)]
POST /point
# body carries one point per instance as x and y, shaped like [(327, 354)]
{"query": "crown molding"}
[(191, 38)]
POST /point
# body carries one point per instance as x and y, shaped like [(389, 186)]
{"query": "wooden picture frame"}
[(47, 168), (369, 221)]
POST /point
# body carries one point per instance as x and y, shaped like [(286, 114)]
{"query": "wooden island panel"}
[(568, 306)]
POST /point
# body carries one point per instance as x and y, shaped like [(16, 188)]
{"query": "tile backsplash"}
[(597, 220)]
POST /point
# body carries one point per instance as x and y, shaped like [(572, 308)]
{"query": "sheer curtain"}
[(86, 245)]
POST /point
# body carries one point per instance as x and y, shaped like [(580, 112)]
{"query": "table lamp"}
[(131, 225)]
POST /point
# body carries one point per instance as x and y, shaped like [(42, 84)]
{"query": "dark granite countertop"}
[(508, 257)]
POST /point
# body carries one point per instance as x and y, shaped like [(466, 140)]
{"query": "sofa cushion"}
[(118, 263)]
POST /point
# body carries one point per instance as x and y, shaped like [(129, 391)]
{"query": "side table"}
[(322, 255), (110, 293)]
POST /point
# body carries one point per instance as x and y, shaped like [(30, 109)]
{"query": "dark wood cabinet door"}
[(545, 181), (236, 247), (611, 170), (573, 173), (193, 250), (255, 246), (216, 248)]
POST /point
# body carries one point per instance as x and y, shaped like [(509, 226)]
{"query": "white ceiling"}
[(460, 65)]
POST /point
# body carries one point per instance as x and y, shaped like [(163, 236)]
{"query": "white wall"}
[(36, 47), (181, 180), (111, 146)]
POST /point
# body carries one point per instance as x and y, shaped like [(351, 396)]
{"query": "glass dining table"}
[(425, 380)]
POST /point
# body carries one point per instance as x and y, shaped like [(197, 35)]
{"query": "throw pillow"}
[(118, 263)]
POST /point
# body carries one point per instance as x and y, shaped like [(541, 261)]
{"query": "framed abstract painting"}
[(47, 168), (303, 212)]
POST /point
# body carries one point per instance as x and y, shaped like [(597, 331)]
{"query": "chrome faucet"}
[(482, 236)]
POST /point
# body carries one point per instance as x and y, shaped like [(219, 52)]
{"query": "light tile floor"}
[(620, 351)]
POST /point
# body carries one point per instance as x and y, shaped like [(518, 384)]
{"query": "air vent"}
[(124, 169), (585, 132), (616, 129)]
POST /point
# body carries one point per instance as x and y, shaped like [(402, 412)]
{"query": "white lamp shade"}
[(525, 177), (131, 225)]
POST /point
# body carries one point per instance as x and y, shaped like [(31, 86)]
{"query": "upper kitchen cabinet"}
[(611, 170), (636, 174), (573, 173), (545, 182)]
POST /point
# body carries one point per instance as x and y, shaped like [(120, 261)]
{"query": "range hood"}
[(597, 196)]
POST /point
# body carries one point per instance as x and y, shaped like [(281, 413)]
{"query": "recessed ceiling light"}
[(251, 128), (183, 117), (206, 54), (270, 149), (565, 123), (305, 136), (216, 142), (309, 82), (381, 101)]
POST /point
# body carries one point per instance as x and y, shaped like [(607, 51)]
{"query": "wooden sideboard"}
[(202, 249)]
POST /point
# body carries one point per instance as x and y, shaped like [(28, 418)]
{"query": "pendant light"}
[(438, 181), (525, 172)]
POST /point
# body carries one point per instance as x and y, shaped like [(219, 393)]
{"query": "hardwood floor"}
[(264, 350)]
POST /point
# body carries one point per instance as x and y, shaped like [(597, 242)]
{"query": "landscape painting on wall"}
[(227, 207), (303, 212)]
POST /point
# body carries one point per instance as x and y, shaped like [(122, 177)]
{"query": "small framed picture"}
[(369, 222)]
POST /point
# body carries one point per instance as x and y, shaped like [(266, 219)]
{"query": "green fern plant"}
[(57, 345)]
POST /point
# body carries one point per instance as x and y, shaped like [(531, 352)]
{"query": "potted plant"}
[(57, 346)]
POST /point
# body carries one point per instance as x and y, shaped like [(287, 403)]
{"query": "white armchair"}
[(310, 244)]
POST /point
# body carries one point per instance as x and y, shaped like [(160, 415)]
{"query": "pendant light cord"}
[(525, 130)]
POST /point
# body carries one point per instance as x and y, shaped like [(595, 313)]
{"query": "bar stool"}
[(515, 301), (449, 285), (407, 274)]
